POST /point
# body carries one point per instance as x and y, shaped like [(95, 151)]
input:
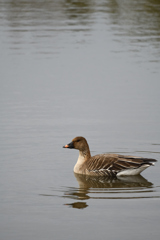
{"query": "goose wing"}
[(111, 164)]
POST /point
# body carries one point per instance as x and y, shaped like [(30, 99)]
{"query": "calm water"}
[(70, 68)]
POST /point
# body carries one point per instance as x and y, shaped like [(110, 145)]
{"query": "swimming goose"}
[(106, 164)]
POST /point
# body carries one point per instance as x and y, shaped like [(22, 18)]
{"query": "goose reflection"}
[(90, 187), (87, 182)]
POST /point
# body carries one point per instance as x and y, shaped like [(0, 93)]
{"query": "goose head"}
[(78, 143)]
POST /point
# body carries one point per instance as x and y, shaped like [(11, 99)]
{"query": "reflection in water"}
[(78, 10), (79, 205), (87, 182), (129, 187), (138, 21)]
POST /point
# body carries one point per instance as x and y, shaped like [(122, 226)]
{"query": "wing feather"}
[(111, 164)]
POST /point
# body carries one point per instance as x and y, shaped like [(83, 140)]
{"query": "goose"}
[(106, 164)]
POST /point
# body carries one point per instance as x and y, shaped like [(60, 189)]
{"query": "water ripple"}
[(132, 187), (102, 188)]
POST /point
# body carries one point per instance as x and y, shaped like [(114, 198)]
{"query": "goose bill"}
[(69, 145)]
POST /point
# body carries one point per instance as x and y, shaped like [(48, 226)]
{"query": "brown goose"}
[(106, 164)]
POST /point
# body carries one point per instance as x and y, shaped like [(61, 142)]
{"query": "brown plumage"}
[(106, 164)]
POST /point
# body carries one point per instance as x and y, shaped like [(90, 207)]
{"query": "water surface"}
[(72, 68)]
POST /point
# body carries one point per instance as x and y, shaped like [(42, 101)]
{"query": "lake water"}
[(70, 68)]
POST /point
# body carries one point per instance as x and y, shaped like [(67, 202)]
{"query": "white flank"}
[(133, 171)]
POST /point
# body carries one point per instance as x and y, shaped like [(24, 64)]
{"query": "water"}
[(72, 68)]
